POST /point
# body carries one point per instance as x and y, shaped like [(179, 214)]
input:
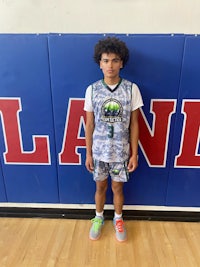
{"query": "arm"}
[(88, 138), (134, 137)]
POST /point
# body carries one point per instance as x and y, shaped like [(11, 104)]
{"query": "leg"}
[(118, 199), (118, 196), (100, 195), (98, 221)]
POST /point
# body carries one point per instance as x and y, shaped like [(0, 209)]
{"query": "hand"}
[(89, 164), (133, 163)]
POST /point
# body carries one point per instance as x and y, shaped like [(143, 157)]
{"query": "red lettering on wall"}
[(154, 143), (9, 110), (188, 154), (153, 139), (72, 139)]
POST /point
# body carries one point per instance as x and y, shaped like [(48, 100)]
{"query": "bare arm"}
[(134, 137), (88, 137)]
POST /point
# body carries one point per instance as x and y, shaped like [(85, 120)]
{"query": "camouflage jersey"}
[(112, 112)]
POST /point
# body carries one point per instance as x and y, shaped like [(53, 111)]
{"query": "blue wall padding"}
[(24, 72), (183, 187), (3, 197), (49, 74)]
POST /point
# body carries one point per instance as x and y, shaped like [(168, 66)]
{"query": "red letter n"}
[(154, 143), (188, 154)]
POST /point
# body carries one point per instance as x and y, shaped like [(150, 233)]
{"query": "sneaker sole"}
[(121, 241), (94, 239)]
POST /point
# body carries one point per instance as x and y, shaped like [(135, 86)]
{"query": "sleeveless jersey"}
[(112, 112)]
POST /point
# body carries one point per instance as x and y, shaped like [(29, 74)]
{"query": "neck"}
[(111, 81)]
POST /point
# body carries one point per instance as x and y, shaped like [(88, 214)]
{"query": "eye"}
[(116, 60)]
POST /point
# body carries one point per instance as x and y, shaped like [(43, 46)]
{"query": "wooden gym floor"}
[(39, 242)]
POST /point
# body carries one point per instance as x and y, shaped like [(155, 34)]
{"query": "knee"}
[(117, 188), (101, 187)]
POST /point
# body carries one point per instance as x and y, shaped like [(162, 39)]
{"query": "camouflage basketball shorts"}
[(116, 170)]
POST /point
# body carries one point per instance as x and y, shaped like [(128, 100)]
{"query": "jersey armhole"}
[(131, 89), (92, 94)]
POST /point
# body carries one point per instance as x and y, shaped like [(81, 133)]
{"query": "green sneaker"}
[(95, 230), (120, 230)]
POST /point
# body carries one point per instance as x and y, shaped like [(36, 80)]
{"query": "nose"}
[(110, 63)]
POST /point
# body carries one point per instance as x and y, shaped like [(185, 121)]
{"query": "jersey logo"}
[(111, 111)]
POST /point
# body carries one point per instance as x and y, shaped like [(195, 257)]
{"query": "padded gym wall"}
[(26, 111), (42, 142)]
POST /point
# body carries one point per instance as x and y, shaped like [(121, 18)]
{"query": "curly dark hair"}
[(111, 45)]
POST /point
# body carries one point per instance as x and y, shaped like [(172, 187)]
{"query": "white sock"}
[(99, 214), (118, 216)]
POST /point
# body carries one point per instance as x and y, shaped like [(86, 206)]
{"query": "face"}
[(110, 65)]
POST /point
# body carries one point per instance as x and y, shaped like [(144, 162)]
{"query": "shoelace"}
[(97, 223), (119, 226)]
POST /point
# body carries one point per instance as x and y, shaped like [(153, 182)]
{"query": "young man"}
[(111, 106)]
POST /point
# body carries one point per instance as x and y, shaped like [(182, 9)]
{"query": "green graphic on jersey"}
[(115, 172), (111, 110)]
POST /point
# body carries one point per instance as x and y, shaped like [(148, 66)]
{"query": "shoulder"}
[(88, 95), (127, 82), (135, 87), (96, 84), (137, 101), (88, 90), (93, 86)]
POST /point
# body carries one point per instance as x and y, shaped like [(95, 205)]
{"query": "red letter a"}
[(72, 139)]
